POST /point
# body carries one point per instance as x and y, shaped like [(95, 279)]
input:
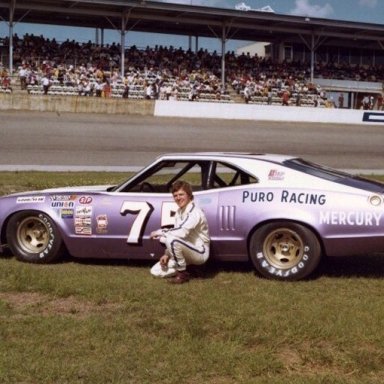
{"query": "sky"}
[(369, 11)]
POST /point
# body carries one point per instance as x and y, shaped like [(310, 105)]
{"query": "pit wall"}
[(77, 104), (186, 109)]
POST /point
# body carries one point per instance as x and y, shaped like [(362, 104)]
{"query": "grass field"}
[(111, 322)]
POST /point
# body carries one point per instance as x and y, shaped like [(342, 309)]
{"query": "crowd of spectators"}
[(87, 69), (45, 66), (5, 81)]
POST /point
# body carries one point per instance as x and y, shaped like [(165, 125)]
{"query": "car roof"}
[(275, 158)]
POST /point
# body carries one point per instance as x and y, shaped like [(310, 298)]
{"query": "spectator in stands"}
[(298, 99), (46, 83), (380, 102), (366, 103), (149, 92), (23, 76), (341, 100), (371, 102), (285, 98), (107, 88), (125, 94), (98, 88), (247, 93), (168, 91), (193, 93), (175, 93), (5, 81), (331, 102)]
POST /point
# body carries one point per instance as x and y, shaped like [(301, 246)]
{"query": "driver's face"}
[(181, 198)]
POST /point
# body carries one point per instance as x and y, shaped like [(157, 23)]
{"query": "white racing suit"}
[(186, 243)]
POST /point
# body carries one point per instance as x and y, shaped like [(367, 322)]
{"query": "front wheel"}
[(33, 237), (284, 251)]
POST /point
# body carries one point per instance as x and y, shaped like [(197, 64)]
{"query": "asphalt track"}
[(52, 141)]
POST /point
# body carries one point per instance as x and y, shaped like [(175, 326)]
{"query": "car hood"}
[(79, 189), (86, 188)]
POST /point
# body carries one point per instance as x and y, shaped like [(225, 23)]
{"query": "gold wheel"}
[(33, 235), (283, 248)]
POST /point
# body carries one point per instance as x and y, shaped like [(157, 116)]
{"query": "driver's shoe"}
[(180, 278)]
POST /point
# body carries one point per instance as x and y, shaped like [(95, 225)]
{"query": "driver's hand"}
[(164, 260), (156, 234)]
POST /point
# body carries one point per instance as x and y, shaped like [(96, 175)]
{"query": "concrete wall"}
[(267, 113), (75, 104)]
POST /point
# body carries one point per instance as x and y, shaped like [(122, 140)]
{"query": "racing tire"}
[(285, 251), (33, 237)]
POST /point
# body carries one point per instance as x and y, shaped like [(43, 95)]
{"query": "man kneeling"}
[(187, 242)]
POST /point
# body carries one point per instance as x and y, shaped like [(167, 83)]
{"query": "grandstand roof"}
[(152, 16)]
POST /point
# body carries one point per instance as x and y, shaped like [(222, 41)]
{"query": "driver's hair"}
[(185, 186)]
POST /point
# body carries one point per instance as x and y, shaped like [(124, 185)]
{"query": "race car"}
[(280, 212)]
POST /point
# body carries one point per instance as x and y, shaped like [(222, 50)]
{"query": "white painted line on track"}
[(123, 168), (68, 168)]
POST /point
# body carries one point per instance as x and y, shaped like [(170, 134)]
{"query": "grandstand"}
[(312, 60)]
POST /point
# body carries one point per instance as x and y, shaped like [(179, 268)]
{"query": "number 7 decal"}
[(143, 211)]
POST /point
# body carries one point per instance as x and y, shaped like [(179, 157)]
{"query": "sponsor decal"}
[(62, 204), (302, 198), (373, 117), (63, 197), (30, 199), (84, 211), (353, 218), (284, 197), (274, 174), (85, 200), (258, 197), (83, 220), (66, 213), (83, 231), (102, 223)]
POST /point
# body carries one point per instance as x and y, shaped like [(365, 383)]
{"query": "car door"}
[(123, 223), (230, 231)]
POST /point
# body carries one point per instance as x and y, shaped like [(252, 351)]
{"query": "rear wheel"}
[(285, 251), (32, 236)]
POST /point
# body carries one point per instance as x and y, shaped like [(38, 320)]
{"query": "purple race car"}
[(281, 212)]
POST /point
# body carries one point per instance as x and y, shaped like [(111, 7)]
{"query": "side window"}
[(225, 175), (160, 178)]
